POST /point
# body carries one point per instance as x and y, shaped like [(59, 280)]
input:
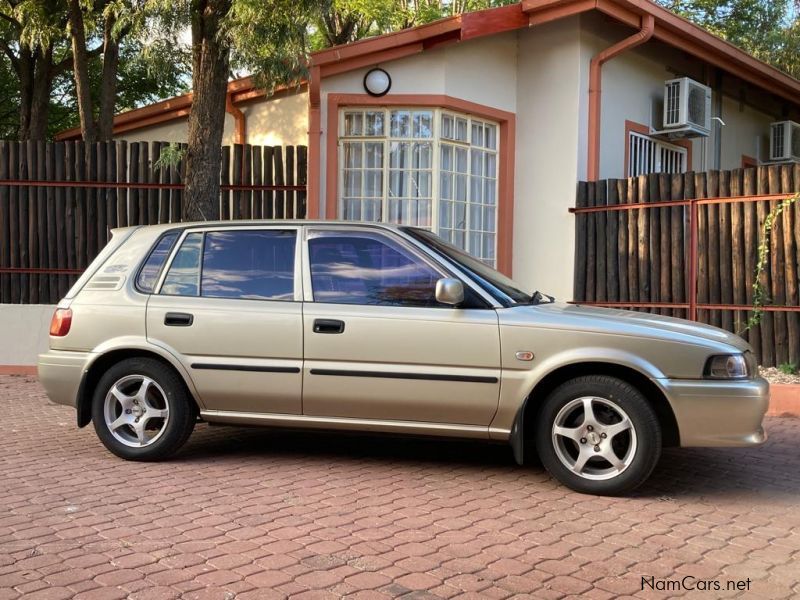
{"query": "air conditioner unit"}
[(687, 108), (784, 141)]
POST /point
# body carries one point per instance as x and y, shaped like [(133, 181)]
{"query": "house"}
[(479, 126)]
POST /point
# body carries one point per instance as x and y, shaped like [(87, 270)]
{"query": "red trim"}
[(749, 162), (506, 153), (18, 370), (668, 28), (239, 91), (633, 126), (784, 398)]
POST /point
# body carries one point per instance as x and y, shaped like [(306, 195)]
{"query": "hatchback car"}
[(381, 328)]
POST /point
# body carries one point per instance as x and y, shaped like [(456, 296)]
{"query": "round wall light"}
[(377, 82)]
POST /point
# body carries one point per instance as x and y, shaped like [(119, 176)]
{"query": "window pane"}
[(423, 124), (254, 265), (148, 276), (448, 130), (461, 130), (353, 123), (491, 136), (374, 155), (401, 123), (461, 160), (352, 155), (183, 277), (352, 183), (374, 123), (369, 269)]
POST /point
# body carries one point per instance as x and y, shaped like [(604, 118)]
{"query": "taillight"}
[(62, 320)]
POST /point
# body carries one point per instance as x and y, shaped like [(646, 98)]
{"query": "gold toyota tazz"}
[(387, 329)]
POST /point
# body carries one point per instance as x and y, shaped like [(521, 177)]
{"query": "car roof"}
[(257, 222)]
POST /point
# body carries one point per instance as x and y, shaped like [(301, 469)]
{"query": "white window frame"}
[(436, 141), (642, 163)]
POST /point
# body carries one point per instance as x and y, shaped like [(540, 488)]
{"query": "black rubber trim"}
[(389, 375), (251, 368)]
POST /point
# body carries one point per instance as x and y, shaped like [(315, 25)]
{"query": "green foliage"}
[(760, 293), (171, 156), (344, 21), (767, 29), (788, 368)]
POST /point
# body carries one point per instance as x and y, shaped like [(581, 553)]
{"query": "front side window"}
[(368, 268), (425, 167)]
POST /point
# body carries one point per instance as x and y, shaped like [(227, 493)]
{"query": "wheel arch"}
[(529, 411), (104, 361)]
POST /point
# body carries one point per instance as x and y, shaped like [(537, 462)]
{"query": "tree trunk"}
[(25, 72), (81, 71), (35, 97), (108, 86), (210, 69)]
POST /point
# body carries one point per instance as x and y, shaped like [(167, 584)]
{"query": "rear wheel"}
[(598, 435), (142, 411)]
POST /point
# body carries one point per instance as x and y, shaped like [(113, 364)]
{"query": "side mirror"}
[(449, 291)]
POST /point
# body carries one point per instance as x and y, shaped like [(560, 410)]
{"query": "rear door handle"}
[(172, 319), (328, 326)]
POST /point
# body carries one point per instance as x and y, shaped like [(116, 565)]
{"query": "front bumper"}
[(718, 413), (60, 373)]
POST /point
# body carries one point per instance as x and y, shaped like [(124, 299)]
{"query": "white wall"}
[(275, 122), (25, 330), (631, 83), (548, 125)]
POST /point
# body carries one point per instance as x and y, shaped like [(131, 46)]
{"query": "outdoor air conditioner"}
[(687, 108), (784, 141)]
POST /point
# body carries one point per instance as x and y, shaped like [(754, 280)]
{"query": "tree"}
[(265, 36), (767, 29), (32, 39), (345, 21)]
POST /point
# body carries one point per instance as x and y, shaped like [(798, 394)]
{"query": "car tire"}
[(142, 410), (610, 453)]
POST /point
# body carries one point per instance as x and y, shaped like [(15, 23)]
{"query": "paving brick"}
[(247, 513)]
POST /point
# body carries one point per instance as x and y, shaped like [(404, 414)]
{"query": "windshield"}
[(502, 288)]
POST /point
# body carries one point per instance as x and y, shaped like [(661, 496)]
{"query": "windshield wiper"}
[(540, 298)]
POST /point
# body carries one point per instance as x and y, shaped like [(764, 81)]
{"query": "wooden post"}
[(612, 235), (622, 241), (678, 275), (600, 199)]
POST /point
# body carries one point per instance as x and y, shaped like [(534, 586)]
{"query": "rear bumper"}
[(719, 413), (61, 373)]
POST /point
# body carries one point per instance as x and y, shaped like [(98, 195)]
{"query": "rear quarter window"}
[(151, 269)]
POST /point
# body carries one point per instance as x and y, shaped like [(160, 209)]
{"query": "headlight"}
[(726, 366)]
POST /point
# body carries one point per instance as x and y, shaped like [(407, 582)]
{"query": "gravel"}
[(773, 375)]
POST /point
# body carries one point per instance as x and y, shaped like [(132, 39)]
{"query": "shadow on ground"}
[(770, 470)]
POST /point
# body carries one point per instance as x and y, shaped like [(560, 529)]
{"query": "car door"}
[(229, 307), (378, 345)]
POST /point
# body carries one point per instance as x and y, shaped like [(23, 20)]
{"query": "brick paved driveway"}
[(246, 513)]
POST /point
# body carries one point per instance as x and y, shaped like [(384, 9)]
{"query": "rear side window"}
[(148, 276), (183, 278), (254, 265)]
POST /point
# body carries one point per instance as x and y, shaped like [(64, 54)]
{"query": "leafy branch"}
[(760, 293)]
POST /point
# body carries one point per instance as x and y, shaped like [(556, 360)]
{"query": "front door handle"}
[(328, 326), (172, 319)]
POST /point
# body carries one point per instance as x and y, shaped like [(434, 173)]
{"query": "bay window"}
[(431, 168)]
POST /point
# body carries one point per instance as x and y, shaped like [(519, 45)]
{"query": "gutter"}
[(595, 89), (239, 120)]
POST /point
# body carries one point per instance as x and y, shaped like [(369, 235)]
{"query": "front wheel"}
[(142, 411), (598, 435)]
